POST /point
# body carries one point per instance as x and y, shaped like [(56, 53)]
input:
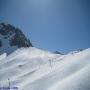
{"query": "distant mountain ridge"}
[(12, 38)]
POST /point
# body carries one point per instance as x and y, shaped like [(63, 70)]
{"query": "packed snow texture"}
[(35, 69)]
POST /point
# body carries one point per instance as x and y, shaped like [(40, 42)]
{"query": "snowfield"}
[(36, 69)]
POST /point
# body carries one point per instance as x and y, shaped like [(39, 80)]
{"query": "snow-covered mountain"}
[(36, 69), (12, 38)]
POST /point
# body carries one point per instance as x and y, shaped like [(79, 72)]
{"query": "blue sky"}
[(55, 25)]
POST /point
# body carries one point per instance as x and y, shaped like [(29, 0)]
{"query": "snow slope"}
[(35, 69)]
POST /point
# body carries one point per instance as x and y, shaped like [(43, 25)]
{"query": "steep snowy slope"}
[(35, 69)]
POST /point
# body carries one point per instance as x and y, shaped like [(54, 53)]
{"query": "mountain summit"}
[(12, 38)]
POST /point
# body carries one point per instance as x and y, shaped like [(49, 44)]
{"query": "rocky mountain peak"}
[(12, 38)]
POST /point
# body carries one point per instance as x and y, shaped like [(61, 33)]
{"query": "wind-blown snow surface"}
[(35, 69)]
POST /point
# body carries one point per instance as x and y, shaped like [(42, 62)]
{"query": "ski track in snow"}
[(35, 69)]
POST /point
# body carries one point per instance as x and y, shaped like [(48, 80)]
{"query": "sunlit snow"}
[(36, 69)]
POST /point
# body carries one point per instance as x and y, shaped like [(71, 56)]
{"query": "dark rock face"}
[(57, 52), (0, 43), (13, 35)]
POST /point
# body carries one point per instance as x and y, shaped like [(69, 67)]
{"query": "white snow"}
[(3, 56), (35, 69)]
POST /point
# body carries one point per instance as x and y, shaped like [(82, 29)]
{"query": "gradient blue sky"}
[(55, 25)]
